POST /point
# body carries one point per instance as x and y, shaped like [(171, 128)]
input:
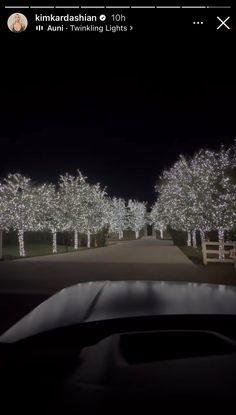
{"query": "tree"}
[(94, 213), (72, 190), (49, 215), (4, 211), (176, 197), (157, 218), (198, 193), (20, 199), (222, 214), (136, 216), (117, 216), (215, 192)]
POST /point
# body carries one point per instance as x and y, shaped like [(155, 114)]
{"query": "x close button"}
[(223, 23)]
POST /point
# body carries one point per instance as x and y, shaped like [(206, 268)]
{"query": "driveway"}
[(146, 258)]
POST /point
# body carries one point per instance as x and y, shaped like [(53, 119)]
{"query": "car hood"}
[(104, 300)]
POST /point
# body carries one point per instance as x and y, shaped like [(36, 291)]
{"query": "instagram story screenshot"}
[(117, 206)]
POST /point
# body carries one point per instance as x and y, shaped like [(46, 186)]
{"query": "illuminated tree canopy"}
[(198, 193), (73, 204)]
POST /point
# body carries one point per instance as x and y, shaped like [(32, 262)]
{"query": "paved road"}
[(146, 258), (26, 282)]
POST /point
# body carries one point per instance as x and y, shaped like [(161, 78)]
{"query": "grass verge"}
[(194, 254), (11, 251)]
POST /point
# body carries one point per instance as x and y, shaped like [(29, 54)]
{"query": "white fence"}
[(230, 253)]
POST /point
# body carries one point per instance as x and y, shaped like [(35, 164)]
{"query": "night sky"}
[(121, 115)]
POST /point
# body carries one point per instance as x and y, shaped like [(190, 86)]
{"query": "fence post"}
[(234, 247), (204, 254), (1, 245)]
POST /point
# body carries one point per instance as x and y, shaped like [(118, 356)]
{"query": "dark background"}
[(119, 108)]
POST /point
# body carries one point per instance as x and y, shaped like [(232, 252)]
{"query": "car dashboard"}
[(126, 364)]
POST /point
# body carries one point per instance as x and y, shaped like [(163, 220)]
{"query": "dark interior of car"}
[(169, 361)]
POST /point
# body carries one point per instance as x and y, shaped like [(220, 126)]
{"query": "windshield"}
[(117, 147)]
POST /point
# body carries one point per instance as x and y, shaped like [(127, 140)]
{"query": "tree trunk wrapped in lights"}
[(88, 239), (54, 242), (0, 244), (21, 242), (189, 238), (76, 239), (121, 235), (4, 215), (202, 235), (221, 234), (194, 238)]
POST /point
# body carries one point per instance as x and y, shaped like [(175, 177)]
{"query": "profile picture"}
[(17, 22)]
